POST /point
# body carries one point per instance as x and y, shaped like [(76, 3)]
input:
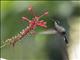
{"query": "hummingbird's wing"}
[(48, 32)]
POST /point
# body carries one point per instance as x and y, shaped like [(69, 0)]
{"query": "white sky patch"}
[(77, 52), (2, 59), (74, 49)]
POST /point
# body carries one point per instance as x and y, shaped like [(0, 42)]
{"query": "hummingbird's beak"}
[(48, 32)]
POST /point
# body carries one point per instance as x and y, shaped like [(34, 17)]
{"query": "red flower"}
[(42, 23), (35, 20), (32, 25)]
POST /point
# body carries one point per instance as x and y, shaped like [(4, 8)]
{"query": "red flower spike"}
[(25, 18), (32, 25), (46, 13), (42, 24), (30, 8)]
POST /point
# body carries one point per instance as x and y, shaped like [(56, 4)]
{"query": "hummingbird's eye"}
[(58, 22)]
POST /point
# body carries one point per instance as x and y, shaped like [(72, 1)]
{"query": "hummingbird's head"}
[(57, 22)]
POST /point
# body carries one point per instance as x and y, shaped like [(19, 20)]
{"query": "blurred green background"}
[(30, 47)]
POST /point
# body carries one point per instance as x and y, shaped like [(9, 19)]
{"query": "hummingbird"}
[(60, 30), (57, 29)]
